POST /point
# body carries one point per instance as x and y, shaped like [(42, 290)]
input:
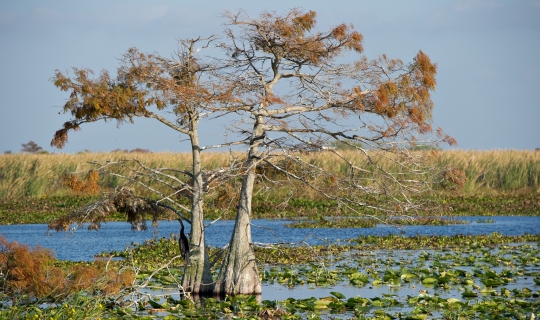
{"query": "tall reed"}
[(497, 170), (36, 175)]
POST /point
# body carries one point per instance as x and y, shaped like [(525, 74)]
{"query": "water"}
[(83, 245)]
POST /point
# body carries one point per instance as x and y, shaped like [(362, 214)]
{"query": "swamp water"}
[(469, 281), (83, 245), (418, 284)]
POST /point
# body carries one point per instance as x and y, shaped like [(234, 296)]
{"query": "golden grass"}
[(36, 175), (497, 170)]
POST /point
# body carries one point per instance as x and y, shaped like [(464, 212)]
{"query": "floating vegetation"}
[(328, 222), (495, 205), (75, 306), (425, 221), (366, 222), (47, 208), (489, 220), (154, 252), (390, 277)]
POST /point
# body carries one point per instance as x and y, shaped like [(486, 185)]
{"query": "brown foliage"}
[(143, 80), (98, 277), (33, 272), (29, 271), (288, 36), (453, 178), (122, 201), (88, 186), (405, 98), (278, 47), (97, 99)]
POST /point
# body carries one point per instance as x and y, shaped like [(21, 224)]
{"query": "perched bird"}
[(183, 242)]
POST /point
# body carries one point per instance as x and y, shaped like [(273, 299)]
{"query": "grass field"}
[(499, 182), (37, 175), (490, 276)]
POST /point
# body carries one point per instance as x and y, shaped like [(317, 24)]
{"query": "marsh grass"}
[(38, 175), (500, 182), (496, 170)]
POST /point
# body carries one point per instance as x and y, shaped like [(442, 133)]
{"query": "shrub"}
[(33, 274), (29, 271)]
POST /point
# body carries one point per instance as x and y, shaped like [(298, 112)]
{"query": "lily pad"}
[(338, 295), (429, 281)]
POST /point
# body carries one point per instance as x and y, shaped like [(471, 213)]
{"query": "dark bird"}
[(183, 242)]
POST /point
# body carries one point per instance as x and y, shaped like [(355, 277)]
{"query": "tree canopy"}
[(293, 91)]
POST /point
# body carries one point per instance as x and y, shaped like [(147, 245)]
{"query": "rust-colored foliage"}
[(72, 182), (97, 277), (399, 93), (453, 178), (446, 138), (98, 99), (288, 36), (83, 277), (89, 185), (406, 100), (32, 272), (143, 80)]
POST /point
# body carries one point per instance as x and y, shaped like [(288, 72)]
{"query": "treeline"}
[(39, 175)]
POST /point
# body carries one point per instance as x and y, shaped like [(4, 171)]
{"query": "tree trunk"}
[(239, 274), (197, 276)]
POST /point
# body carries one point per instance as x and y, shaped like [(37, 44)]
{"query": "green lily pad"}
[(452, 300), (429, 281), (489, 282), (408, 276), (469, 294), (338, 295), (155, 305)]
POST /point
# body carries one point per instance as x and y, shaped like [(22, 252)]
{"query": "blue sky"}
[(487, 54)]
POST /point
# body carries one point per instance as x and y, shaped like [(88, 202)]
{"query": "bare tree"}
[(176, 92), (305, 91), (298, 91)]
